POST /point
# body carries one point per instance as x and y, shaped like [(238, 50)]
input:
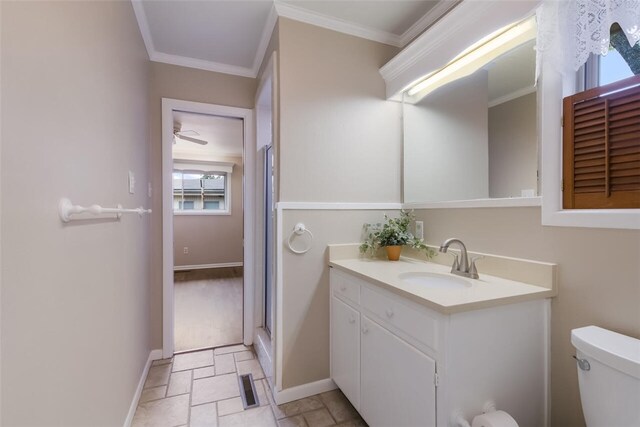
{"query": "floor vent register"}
[(248, 391)]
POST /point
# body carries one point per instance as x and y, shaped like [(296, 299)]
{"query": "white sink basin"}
[(435, 280)]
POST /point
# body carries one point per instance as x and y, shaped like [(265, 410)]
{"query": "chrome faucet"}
[(463, 267)]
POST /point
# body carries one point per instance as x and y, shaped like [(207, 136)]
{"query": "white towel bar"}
[(66, 209)]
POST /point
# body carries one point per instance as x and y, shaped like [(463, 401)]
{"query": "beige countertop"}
[(487, 291)]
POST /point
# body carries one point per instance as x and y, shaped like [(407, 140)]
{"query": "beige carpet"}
[(208, 308)]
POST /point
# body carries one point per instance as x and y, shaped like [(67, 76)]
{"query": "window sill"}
[(592, 218)]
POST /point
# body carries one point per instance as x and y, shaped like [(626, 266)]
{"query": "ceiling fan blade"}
[(194, 140), (188, 132)]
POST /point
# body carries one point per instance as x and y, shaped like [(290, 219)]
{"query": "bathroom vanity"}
[(413, 345)]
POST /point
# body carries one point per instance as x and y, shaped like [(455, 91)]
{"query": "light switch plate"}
[(132, 182)]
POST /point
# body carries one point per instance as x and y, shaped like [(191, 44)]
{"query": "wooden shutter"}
[(601, 147)]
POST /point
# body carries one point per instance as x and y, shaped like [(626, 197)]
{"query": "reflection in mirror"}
[(473, 135)]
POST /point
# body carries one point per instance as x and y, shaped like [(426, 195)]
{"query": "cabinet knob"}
[(343, 288), (389, 313), (352, 320), (365, 330)]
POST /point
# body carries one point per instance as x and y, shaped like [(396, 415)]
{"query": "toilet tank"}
[(610, 388)]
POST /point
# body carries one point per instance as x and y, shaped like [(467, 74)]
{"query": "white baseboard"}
[(304, 390), (153, 355), (205, 266)]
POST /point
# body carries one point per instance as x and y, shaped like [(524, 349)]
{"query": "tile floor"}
[(201, 389), (208, 308)]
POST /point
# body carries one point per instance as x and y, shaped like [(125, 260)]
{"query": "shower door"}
[(269, 212)]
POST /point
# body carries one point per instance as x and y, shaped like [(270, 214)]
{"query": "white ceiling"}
[(223, 134), (231, 36)]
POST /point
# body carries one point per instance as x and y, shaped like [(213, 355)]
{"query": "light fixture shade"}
[(475, 57)]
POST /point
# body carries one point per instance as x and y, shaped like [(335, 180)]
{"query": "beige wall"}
[(339, 141), (171, 81), (212, 239), (599, 279), (339, 137), (75, 319), (513, 147)]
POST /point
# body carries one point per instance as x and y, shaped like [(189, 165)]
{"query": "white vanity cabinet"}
[(401, 363)]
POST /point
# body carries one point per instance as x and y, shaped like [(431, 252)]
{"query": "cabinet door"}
[(398, 386), (345, 349)]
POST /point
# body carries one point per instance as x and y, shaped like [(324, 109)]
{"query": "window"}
[(601, 147), (621, 62), (211, 204), (200, 192), (612, 68), (601, 131)]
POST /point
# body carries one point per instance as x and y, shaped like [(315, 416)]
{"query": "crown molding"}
[(428, 19), (202, 64), (267, 31), (143, 24), (335, 24), (437, 35)]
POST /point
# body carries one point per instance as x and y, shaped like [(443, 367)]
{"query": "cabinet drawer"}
[(412, 322), (345, 286)]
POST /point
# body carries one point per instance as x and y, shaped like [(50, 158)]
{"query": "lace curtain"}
[(570, 30)]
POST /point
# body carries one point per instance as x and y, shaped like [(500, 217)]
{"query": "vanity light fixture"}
[(477, 56)]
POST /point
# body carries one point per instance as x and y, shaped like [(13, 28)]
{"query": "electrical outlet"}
[(420, 230), (132, 182), (185, 250)]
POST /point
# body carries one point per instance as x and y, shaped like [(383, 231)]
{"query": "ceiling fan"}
[(184, 135)]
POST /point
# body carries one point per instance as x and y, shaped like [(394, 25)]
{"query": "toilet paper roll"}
[(494, 419)]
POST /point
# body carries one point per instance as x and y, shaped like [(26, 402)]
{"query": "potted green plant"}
[(393, 235)]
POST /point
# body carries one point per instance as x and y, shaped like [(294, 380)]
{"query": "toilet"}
[(608, 376)]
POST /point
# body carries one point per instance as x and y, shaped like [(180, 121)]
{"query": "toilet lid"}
[(610, 348)]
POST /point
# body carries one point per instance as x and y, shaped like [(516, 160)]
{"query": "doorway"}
[(207, 226), (208, 171)]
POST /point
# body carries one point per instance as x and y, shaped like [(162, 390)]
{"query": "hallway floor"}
[(208, 308), (200, 389)]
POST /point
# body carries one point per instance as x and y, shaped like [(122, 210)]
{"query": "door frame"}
[(249, 158)]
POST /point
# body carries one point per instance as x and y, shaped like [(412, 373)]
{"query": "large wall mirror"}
[(470, 127)]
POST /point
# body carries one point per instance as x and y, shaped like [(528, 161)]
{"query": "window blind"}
[(601, 147)]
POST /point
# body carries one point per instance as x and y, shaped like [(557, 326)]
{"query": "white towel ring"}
[(299, 230)]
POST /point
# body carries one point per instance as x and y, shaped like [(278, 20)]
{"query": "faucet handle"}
[(456, 262), (473, 270)]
